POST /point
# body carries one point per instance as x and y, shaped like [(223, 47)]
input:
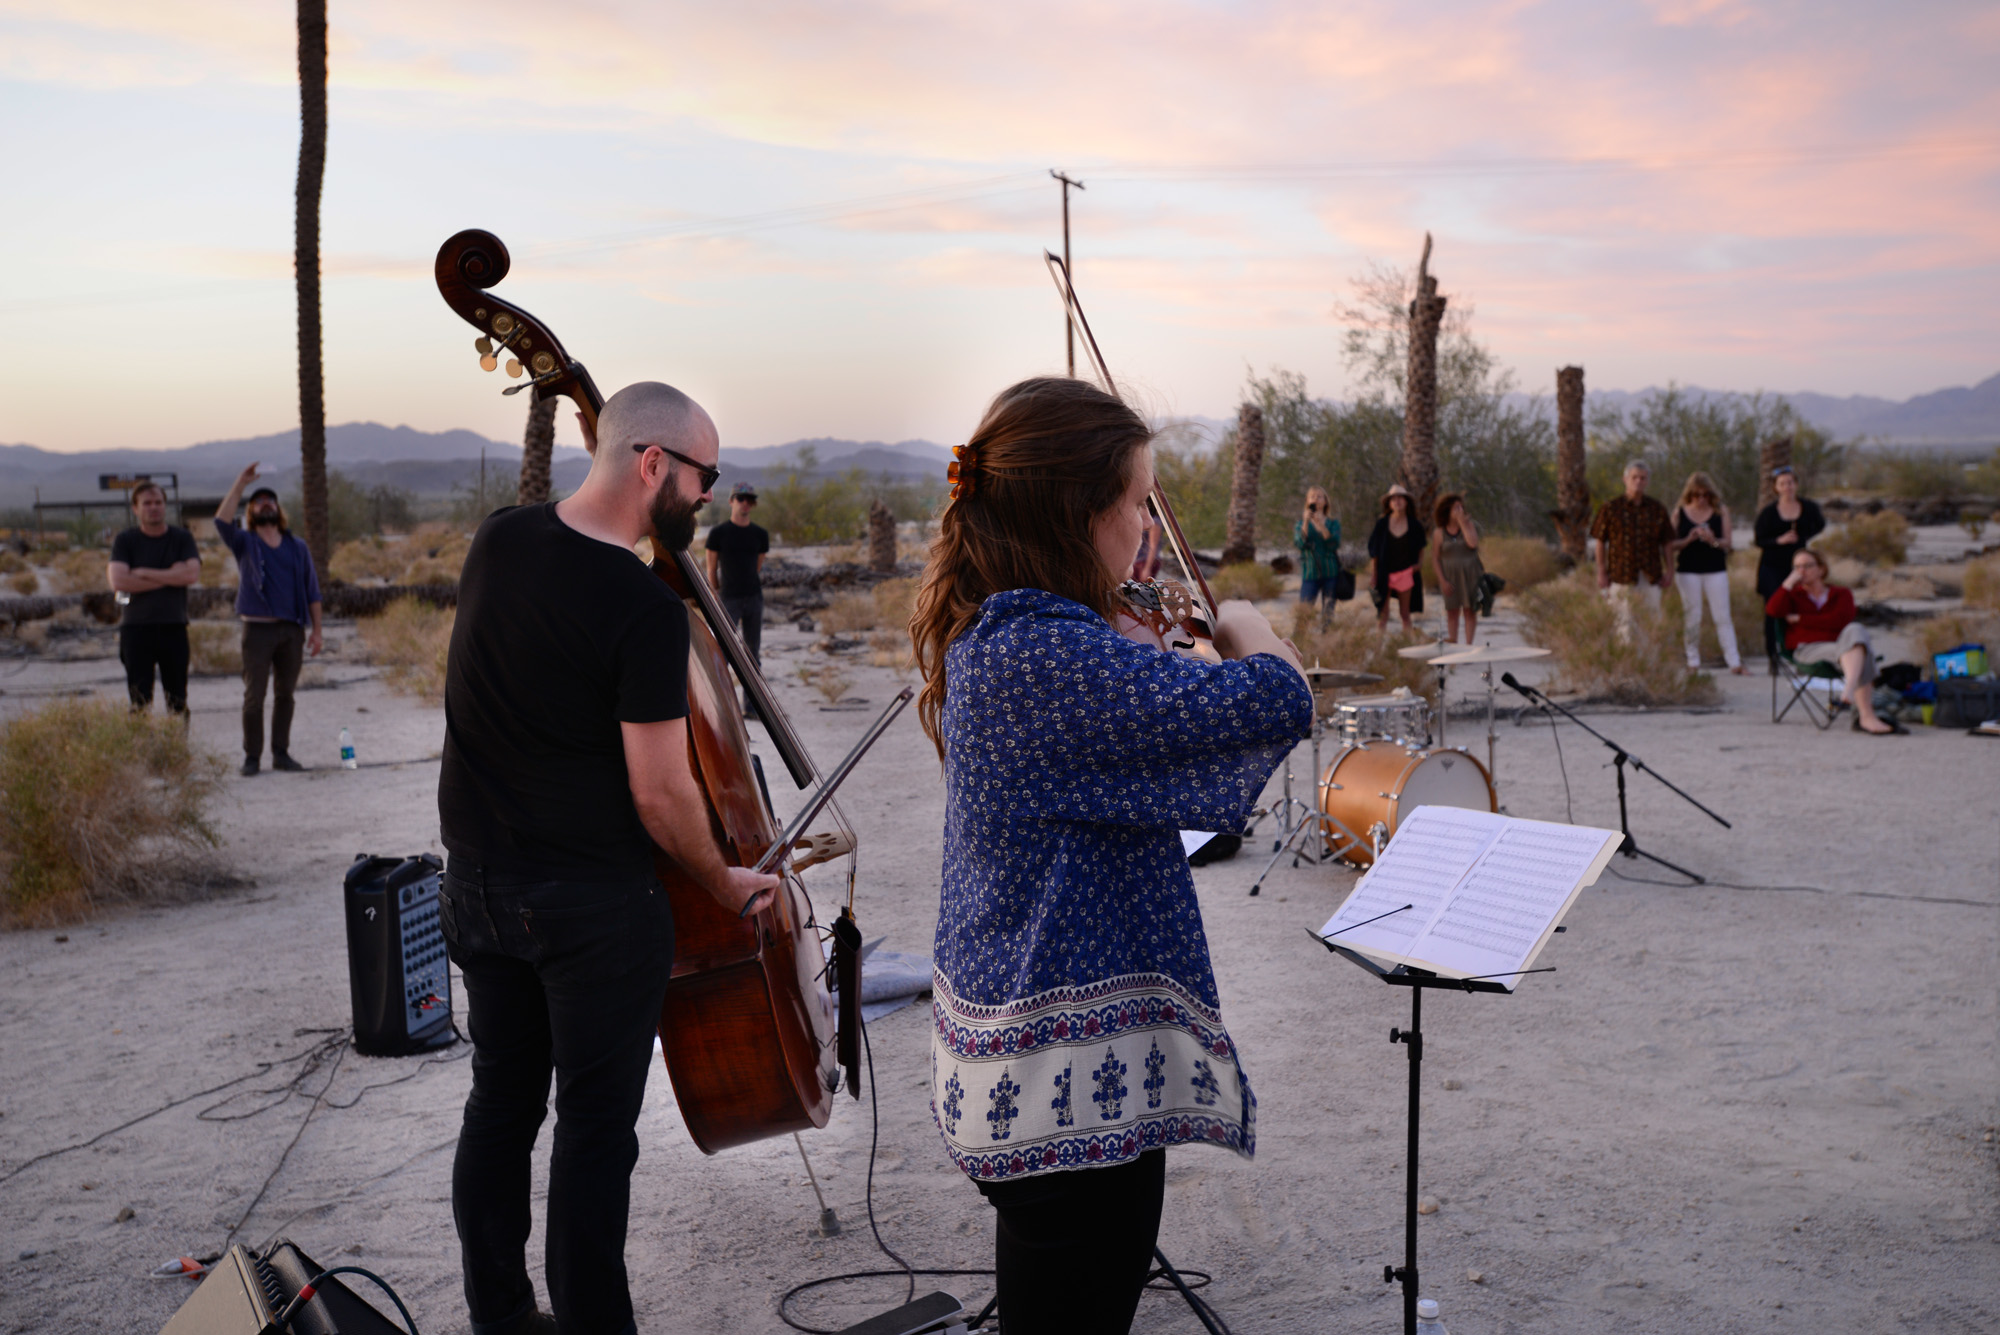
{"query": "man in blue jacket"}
[(277, 599)]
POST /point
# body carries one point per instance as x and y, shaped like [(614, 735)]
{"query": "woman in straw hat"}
[(1397, 548)]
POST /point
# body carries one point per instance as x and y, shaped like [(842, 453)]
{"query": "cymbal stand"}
[(1310, 816)]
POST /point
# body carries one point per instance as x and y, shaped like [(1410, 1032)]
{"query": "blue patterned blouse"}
[(1077, 1021)]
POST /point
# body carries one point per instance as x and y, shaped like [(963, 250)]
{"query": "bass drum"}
[(1381, 783)]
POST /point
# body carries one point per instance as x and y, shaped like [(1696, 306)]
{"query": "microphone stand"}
[(1620, 758)]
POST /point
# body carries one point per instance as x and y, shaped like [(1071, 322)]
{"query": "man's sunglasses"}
[(708, 473)]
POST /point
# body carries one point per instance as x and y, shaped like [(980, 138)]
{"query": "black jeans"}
[(273, 652), (1072, 1250), (142, 649), (561, 977), (748, 614)]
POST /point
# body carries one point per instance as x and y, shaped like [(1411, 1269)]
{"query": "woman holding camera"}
[(1077, 1024), (1317, 537), (1459, 569)]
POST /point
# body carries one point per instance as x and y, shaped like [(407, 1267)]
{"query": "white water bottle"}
[(347, 752), (1428, 1320)]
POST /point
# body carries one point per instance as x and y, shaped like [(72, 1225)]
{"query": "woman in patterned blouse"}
[(1078, 1031)]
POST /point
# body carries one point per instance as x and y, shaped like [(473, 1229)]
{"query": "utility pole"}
[(1069, 330)]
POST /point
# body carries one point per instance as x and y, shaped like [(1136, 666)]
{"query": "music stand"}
[(1413, 1039)]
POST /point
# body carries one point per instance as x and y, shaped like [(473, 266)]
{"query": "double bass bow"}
[(749, 1030), (1161, 612)]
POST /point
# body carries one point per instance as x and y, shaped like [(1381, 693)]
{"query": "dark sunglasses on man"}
[(708, 473)]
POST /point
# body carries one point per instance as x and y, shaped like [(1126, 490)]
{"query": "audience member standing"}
[(737, 548), (1634, 547), (1783, 529), (1702, 544), (153, 565), (1459, 569), (1317, 537), (277, 599), (1397, 548)]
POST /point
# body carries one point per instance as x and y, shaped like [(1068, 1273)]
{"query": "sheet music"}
[(1432, 851), (1487, 891)]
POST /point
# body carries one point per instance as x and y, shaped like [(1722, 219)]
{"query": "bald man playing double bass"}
[(565, 764)]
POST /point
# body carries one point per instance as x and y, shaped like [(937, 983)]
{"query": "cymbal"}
[(1487, 653), (1328, 679), (1431, 650)]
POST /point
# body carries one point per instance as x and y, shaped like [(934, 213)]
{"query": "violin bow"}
[(1163, 510)]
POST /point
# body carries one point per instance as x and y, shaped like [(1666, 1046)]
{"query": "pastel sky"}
[(827, 219)]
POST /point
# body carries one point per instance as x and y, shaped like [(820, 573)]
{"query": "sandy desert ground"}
[(1764, 1104)]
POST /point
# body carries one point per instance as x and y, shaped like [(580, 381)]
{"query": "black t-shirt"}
[(559, 639), (1698, 557), (156, 607), (738, 546)]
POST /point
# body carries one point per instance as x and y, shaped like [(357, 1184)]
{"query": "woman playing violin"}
[(1078, 1030)]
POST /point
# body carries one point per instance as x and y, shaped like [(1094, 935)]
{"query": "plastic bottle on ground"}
[(1428, 1320), (347, 750)]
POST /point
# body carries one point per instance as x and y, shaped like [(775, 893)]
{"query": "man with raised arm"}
[(153, 564), (565, 764), (277, 599)]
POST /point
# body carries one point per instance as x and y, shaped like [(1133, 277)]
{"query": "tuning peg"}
[(514, 367), (488, 362), (483, 345)]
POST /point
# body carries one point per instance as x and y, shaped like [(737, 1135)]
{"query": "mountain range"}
[(434, 463)]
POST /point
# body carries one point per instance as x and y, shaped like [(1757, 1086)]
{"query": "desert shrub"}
[(97, 803), (215, 648), (1247, 579), (1982, 585), (1570, 617), (1939, 634), (846, 613), (80, 571), (11, 562), (369, 558), (437, 560), (411, 639), (1974, 522), (24, 582), (1351, 640), (828, 678), (1522, 562), (1878, 539), (1746, 616), (218, 568), (895, 604), (891, 649)]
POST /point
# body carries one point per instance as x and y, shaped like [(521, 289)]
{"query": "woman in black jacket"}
[(1397, 546), (1782, 530)]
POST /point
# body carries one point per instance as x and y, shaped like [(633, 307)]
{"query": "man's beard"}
[(673, 521)]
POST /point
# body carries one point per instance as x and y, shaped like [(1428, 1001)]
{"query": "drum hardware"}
[(1485, 656), (1388, 782)]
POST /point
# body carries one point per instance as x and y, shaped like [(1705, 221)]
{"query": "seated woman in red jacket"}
[(1820, 628)]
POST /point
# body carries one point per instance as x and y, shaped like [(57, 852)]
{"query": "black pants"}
[(273, 652), (748, 614), (142, 649), (1072, 1250), (561, 977)]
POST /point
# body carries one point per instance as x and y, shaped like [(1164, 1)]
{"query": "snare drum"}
[(1381, 783), (1395, 718)]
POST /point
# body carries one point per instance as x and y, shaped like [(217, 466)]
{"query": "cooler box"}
[(1968, 660)]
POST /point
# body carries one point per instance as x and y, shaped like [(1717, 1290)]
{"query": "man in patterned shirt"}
[(1632, 533)]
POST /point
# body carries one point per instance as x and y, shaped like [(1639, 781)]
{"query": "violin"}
[(1161, 612), (749, 1030)]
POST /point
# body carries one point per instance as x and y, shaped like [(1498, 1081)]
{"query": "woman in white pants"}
[(1701, 548)]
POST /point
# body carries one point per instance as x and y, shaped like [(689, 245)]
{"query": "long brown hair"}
[(1050, 456)]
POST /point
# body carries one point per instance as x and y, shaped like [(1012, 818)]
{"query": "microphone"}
[(1526, 692)]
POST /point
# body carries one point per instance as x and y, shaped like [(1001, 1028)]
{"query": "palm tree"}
[(1418, 470), (312, 373), (1242, 533), (536, 447), (1572, 513)]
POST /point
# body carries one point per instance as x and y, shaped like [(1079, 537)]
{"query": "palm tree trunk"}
[(1418, 470), (312, 374), (1242, 539), (536, 447), (881, 538), (1572, 513)]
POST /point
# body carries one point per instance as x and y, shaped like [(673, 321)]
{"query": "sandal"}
[(1895, 729)]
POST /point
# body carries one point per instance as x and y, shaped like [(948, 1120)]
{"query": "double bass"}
[(749, 1030)]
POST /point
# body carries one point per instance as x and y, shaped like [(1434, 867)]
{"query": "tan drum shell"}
[(1368, 783)]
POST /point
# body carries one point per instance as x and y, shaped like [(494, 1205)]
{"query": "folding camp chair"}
[(1798, 679)]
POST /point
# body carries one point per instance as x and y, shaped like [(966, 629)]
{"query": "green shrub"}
[(1351, 640), (1522, 562), (97, 803), (215, 648), (1878, 539), (1644, 666)]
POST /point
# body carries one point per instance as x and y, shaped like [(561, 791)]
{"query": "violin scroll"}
[(470, 263)]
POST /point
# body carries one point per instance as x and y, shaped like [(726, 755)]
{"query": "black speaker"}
[(397, 973), (244, 1293)]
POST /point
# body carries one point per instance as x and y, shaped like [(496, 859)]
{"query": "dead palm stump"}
[(1242, 535), (1572, 512), (1418, 469)]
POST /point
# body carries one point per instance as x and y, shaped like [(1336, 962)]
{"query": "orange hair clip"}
[(959, 472)]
